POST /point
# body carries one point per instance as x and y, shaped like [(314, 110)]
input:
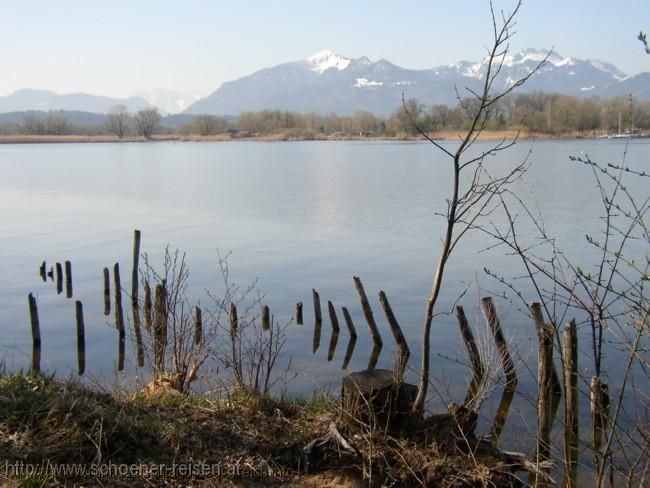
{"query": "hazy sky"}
[(120, 47)]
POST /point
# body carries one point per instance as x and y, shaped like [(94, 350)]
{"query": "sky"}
[(120, 48)]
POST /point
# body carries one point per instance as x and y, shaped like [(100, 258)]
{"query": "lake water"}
[(297, 215)]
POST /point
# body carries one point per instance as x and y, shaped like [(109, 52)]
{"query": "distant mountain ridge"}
[(45, 100), (328, 82)]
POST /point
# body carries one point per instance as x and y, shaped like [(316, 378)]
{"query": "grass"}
[(251, 440)]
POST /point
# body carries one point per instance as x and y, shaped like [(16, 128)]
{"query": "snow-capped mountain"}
[(47, 100), (328, 82)]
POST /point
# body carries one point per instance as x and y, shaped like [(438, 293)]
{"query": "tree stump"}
[(376, 398)]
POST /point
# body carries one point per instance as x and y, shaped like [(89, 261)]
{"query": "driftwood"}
[(317, 449)]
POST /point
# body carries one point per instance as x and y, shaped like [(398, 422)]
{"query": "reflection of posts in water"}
[(335, 330), (332, 347), (299, 320), (536, 310), (107, 292), (81, 341), (495, 326), (502, 412), (318, 321), (42, 271), (198, 325), (137, 328), (570, 360), (471, 398), (396, 330), (36, 334), (599, 397), (353, 338), (148, 307)]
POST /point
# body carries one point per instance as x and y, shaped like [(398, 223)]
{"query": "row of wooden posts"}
[(549, 384)]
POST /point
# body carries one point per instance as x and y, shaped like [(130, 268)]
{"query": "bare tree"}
[(147, 121), (471, 196), (207, 124), (118, 120)]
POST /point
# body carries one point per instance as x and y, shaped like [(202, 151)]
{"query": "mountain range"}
[(330, 83)]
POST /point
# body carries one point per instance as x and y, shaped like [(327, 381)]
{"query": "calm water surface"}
[(296, 215)]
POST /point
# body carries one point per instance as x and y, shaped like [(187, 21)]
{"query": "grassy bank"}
[(54, 433), (440, 136)]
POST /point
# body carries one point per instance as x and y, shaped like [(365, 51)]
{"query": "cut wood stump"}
[(377, 398)]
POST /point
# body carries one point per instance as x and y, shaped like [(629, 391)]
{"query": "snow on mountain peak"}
[(325, 60)]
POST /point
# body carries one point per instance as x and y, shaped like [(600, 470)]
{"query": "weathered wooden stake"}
[(374, 356), (42, 271), (470, 343), (119, 313), (538, 317), (198, 325), (299, 320), (570, 359), (495, 326), (396, 330), (50, 273), (333, 318), (107, 292), (367, 312), (81, 340), (68, 279), (266, 317), (59, 278), (36, 334), (148, 307), (599, 410), (160, 328), (134, 273), (544, 392)]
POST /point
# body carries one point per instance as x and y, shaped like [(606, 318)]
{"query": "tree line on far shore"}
[(535, 112)]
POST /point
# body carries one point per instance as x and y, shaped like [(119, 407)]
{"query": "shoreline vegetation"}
[(494, 135)]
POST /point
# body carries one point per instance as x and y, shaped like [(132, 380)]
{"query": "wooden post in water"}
[(487, 305), (538, 317), (502, 413), (137, 328), (335, 330), (148, 307), (396, 330), (266, 317), (43, 271), (36, 334), (81, 340), (68, 279), (119, 317), (318, 321), (570, 359), (544, 392), (367, 312), (50, 273), (134, 272), (107, 292), (59, 278), (160, 329), (299, 320), (198, 325)]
